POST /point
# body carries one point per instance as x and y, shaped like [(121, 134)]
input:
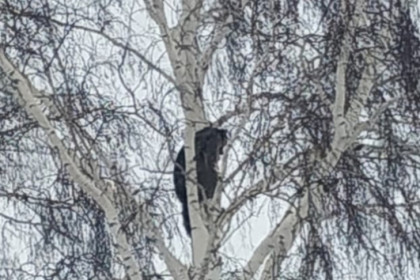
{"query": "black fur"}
[(209, 143)]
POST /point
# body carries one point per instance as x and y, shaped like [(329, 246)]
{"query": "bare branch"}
[(22, 92)]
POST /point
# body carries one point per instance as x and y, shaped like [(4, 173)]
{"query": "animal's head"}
[(212, 140)]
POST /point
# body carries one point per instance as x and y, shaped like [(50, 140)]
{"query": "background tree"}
[(320, 175)]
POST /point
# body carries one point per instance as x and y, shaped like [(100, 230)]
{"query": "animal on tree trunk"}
[(209, 144)]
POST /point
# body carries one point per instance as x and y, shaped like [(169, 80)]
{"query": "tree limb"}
[(23, 91)]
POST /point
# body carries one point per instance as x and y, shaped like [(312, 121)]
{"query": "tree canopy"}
[(320, 175)]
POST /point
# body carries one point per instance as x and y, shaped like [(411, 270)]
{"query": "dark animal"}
[(209, 143)]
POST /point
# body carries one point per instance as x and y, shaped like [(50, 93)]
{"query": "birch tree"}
[(320, 175)]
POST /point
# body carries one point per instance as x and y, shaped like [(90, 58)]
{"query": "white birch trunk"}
[(100, 191)]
